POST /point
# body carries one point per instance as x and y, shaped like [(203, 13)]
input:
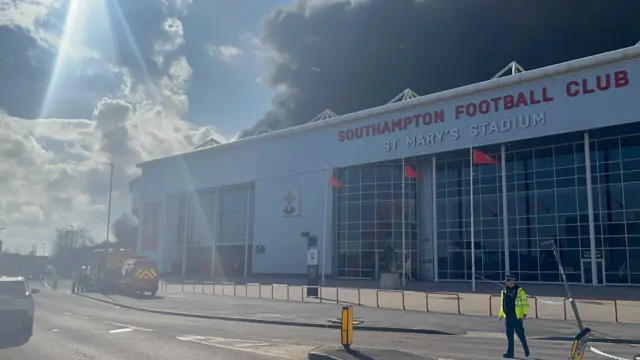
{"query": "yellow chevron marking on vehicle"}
[(114, 263), (146, 274)]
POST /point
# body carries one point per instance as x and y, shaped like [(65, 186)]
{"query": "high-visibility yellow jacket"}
[(522, 304)]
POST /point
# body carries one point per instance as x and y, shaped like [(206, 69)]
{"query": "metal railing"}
[(615, 305), (355, 296), (426, 296)]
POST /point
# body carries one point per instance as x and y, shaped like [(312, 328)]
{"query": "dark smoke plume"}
[(125, 230), (352, 55)]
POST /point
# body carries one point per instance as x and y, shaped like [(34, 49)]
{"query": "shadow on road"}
[(130, 296), (358, 355)]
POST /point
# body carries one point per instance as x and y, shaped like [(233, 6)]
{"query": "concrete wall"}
[(285, 249)]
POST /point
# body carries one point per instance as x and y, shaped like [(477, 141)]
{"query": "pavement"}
[(70, 327), (311, 313)]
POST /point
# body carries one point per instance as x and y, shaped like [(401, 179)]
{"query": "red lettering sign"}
[(600, 83), (573, 88), (417, 120), (505, 102)]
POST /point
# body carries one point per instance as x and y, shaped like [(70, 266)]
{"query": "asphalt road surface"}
[(68, 327)]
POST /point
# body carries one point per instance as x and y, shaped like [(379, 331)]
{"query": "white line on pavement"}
[(77, 316), (116, 331), (128, 326), (249, 345), (232, 347)]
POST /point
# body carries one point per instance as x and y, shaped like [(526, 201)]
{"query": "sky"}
[(85, 83)]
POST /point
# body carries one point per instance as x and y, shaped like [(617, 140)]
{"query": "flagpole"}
[(473, 246), (186, 232), (324, 234), (404, 260)]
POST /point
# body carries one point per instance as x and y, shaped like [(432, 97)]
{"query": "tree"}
[(70, 248)]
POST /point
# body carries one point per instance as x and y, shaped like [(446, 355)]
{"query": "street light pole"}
[(73, 235), (574, 307), (110, 192)]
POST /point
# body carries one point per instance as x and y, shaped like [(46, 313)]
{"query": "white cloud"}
[(224, 52), (28, 15), (54, 172), (175, 31)]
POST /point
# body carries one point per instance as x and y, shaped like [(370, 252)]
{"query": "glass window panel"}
[(441, 171), (368, 174), (564, 155), (632, 176), (630, 147), (354, 226), (543, 158), (353, 175), (383, 174), (368, 209)]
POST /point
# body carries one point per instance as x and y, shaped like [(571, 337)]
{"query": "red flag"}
[(410, 172), (542, 207), (480, 158), (616, 205), (333, 182)]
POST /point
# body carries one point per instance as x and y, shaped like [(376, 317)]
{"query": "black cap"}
[(509, 277)]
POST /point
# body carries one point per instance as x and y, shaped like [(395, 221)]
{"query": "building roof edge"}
[(615, 56)]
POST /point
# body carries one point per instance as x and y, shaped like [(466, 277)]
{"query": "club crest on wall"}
[(291, 203)]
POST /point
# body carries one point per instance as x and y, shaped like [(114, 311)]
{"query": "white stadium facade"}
[(557, 158)]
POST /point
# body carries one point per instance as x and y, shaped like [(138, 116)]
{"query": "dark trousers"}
[(515, 325)]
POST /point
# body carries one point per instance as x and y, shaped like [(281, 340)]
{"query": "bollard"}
[(346, 322), (580, 344)]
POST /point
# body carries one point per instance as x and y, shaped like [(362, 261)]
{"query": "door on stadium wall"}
[(199, 261), (586, 268), (229, 262)]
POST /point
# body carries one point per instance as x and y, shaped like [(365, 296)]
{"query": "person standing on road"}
[(514, 307)]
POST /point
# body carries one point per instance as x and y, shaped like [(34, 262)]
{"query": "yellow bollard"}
[(346, 337), (580, 344)]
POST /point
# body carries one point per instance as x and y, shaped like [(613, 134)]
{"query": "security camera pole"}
[(574, 307)]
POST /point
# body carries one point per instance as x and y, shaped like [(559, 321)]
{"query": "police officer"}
[(514, 307)]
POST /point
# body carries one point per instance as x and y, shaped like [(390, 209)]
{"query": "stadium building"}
[(556, 157)]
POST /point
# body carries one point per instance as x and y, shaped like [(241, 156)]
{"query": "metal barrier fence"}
[(286, 292), (615, 305), (288, 295), (426, 296)]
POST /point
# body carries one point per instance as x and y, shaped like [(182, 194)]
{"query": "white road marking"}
[(54, 330), (271, 349), (177, 296), (128, 326), (256, 344), (485, 334), (117, 331), (77, 316), (602, 353)]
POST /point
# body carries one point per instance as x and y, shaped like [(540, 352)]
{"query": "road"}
[(68, 327)]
